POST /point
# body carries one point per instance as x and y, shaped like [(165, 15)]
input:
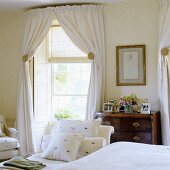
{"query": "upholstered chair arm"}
[(13, 133), (105, 132)]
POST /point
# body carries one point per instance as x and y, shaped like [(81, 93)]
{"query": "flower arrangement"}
[(128, 100)]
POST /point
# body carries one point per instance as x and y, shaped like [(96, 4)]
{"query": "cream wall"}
[(10, 43), (128, 23)]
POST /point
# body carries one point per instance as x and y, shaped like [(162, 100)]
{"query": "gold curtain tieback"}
[(25, 58), (91, 56), (164, 51)]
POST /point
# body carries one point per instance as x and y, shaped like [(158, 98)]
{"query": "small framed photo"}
[(146, 108), (107, 107)]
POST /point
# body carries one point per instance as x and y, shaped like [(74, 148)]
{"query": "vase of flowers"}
[(130, 103)]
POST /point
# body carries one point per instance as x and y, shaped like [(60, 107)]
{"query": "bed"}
[(70, 139), (118, 156)]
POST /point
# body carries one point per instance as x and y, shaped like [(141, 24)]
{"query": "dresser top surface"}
[(128, 115)]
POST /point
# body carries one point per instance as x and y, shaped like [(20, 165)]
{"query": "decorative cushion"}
[(90, 145), (87, 128), (45, 141), (63, 146), (7, 143)]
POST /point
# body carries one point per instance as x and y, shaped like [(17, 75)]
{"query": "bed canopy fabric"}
[(163, 69), (84, 25)]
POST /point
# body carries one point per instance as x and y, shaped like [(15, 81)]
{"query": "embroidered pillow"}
[(63, 146), (90, 145), (87, 128), (45, 142)]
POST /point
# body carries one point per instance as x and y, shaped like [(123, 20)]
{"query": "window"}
[(61, 78)]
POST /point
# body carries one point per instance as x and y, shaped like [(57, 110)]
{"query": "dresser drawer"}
[(125, 124), (135, 125), (140, 137)]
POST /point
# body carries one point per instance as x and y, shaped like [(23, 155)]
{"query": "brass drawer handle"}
[(106, 123), (136, 124), (136, 138)]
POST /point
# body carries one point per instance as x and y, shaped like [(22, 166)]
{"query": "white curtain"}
[(36, 26), (84, 26), (163, 70)]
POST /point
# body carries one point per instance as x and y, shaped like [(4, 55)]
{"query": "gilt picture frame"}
[(130, 65)]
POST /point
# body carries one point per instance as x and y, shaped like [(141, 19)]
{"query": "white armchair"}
[(9, 144)]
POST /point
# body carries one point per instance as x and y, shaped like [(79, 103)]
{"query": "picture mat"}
[(130, 65)]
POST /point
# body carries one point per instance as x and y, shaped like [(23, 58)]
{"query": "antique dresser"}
[(135, 127)]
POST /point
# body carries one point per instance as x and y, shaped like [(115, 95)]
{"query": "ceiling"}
[(23, 4)]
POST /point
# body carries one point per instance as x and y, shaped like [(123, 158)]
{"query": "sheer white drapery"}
[(84, 26), (36, 26), (163, 70)]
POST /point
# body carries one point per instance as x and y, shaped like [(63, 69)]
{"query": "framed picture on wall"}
[(130, 65)]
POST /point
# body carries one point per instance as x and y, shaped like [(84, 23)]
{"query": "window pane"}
[(70, 88), (71, 79), (74, 105), (62, 46)]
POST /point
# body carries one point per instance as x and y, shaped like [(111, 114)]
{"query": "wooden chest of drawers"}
[(142, 128)]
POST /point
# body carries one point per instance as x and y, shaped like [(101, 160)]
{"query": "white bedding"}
[(124, 156), (117, 156), (50, 164)]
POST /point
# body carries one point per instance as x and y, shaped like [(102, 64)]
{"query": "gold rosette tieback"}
[(91, 56), (25, 58)]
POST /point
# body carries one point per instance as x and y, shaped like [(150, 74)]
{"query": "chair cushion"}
[(87, 128), (7, 143)]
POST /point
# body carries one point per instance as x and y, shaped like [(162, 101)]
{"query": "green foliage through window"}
[(64, 113)]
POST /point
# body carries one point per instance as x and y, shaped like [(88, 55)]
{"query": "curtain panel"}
[(84, 25), (36, 26), (163, 70)]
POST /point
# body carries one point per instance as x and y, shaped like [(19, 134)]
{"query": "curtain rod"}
[(55, 5)]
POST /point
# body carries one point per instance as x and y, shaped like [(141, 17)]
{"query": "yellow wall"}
[(10, 48), (126, 23)]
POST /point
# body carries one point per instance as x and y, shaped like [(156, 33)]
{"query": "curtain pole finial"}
[(164, 51)]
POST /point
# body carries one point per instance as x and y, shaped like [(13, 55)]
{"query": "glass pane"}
[(71, 78), (41, 92), (62, 46), (69, 105)]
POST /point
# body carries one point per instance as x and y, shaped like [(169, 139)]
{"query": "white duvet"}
[(117, 156), (124, 156)]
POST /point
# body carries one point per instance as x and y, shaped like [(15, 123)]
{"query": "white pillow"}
[(63, 146), (45, 142), (87, 128), (90, 145)]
